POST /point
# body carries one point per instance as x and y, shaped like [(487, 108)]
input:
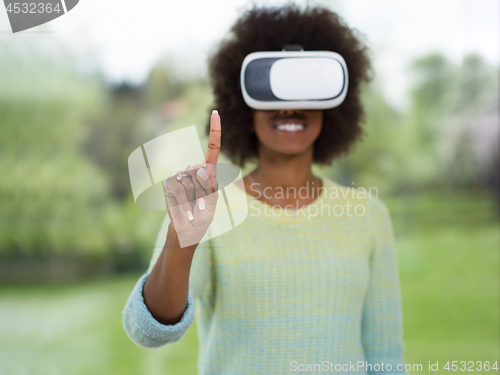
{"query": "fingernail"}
[(203, 175), (215, 111), (189, 215), (201, 203)]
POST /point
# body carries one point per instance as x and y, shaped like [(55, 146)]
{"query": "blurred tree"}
[(50, 195), (452, 107), (469, 130), (447, 139), (161, 85), (430, 95), (379, 158), (131, 116), (433, 75), (66, 137), (112, 135), (476, 82)]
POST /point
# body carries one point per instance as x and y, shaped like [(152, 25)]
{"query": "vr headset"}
[(293, 79)]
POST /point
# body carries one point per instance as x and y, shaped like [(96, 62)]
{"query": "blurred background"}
[(79, 94)]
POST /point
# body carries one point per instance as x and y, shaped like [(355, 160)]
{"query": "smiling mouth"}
[(290, 127)]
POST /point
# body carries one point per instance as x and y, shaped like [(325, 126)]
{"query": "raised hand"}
[(192, 194)]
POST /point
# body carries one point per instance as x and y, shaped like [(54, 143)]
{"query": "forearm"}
[(166, 289)]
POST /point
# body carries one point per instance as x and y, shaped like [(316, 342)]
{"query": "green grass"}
[(448, 252), (77, 329)]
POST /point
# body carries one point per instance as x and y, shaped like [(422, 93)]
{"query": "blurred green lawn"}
[(448, 251)]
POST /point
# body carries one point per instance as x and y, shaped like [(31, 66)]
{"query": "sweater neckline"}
[(257, 208)]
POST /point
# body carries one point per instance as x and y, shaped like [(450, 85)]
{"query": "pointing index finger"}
[(214, 138)]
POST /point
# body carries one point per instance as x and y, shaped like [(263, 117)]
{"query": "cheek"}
[(317, 122), (317, 128), (259, 123), (262, 131)]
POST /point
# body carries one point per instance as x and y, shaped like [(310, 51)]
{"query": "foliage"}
[(66, 136), (454, 113), (50, 195), (447, 139)]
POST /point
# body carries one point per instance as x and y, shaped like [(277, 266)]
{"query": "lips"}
[(290, 125)]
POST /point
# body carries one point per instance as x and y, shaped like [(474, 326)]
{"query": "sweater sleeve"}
[(142, 328), (382, 325)]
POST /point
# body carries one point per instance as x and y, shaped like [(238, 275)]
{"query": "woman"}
[(285, 290)]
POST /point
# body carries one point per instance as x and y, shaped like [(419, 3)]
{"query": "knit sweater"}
[(281, 293)]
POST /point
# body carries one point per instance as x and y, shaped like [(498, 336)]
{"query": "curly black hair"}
[(270, 29)]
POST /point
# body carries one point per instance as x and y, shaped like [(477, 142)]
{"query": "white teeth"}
[(290, 127)]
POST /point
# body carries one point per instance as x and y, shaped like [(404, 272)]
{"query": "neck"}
[(278, 170)]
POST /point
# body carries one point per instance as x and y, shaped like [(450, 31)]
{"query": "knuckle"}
[(213, 146), (177, 189), (205, 184), (169, 181), (200, 191)]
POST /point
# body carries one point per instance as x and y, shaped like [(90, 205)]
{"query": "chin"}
[(291, 151)]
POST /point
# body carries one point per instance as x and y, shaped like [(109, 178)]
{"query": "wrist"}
[(174, 239)]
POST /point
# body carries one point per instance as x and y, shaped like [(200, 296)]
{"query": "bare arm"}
[(166, 289), (165, 292)]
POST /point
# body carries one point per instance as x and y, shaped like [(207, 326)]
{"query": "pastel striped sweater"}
[(281, 294)]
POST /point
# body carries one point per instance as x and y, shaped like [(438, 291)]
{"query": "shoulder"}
[(367, 198)]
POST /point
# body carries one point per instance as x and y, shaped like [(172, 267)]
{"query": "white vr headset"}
[(293, 80)]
